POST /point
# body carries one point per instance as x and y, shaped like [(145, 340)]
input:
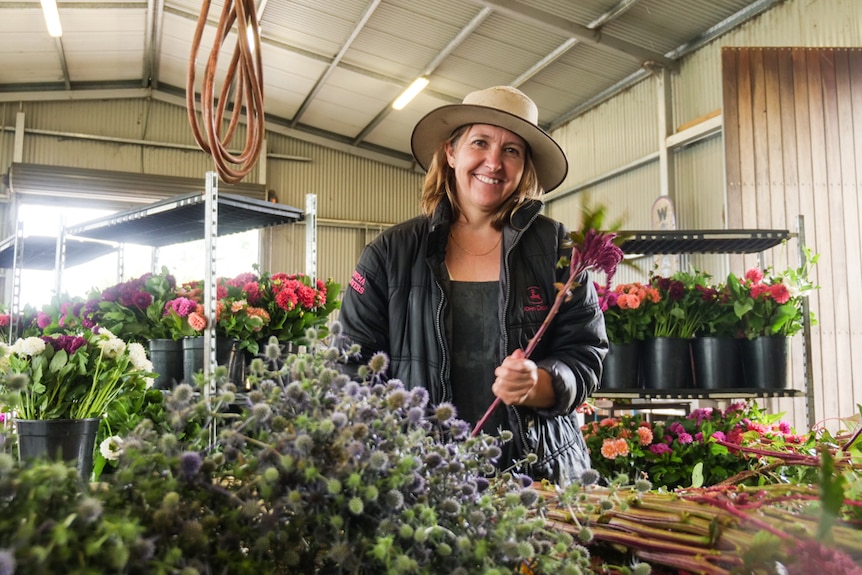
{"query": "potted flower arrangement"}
[(133, 309), (239, 315), (768, 307), (675, 317), (295, 303), (65, 384), (714, 348), (625, 310)]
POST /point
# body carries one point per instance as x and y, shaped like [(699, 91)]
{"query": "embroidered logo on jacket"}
[(537, 302), (357, 282)]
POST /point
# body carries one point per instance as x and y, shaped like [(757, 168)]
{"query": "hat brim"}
[(436, 126)]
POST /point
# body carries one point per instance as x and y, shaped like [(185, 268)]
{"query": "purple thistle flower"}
[(415, 416), (7, 562), (482, 484), (190, 464)]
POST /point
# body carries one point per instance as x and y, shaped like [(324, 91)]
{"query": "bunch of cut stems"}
[(710, 531)]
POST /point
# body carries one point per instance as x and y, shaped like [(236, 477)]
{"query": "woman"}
[(454, 295)]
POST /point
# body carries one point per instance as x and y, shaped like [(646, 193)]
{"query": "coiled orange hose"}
[(247, 63)]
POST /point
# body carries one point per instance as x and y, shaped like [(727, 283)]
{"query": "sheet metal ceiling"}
[(332, 68)]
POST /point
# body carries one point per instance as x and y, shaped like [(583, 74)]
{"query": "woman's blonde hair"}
[(440, 183)]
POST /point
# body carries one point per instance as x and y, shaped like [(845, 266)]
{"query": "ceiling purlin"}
[(363, 20), (582, 33), (462, 35)]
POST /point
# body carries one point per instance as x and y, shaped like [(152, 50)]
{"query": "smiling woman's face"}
[(488, 162)]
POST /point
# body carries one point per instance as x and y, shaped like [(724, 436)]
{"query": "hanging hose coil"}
[(246, 71)]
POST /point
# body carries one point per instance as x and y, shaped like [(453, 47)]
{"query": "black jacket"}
[(397, 304)]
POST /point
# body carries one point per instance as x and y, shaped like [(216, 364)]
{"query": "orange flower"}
[(613, 448), (644, 435), (197, 321), (258, 312)]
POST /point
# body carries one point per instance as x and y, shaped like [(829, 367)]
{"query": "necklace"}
[(469, 253)]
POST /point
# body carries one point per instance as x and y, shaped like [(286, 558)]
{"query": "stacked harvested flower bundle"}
[(782, 528)]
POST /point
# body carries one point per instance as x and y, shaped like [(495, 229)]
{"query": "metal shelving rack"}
[(721, 242)]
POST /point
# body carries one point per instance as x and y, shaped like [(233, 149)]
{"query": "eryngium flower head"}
[(190, 464)]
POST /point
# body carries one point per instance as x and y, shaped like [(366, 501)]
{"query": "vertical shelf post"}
[(17, 264), (807, 368), (210, 287), (311, 236)]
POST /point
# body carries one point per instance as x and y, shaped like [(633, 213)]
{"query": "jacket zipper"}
[(503, 326), (444, 363)]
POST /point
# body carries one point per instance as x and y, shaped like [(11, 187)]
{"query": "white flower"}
[(112, 348), (138, 355), (29, 346), (106, 333), (112, 447)]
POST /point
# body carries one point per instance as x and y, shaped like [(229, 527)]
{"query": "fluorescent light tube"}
[(417, 86), (52, 18)]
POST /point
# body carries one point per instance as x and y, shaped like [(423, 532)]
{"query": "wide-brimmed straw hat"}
[(501, 106)]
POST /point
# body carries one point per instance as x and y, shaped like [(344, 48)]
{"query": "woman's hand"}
[(521, 382)]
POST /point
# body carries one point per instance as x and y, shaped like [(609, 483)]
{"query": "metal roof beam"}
[(580, 32), (363, 20)]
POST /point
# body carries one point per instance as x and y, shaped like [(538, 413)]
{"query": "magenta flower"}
[(685, 438), (182, 306), (660, 448), (43, 320)]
